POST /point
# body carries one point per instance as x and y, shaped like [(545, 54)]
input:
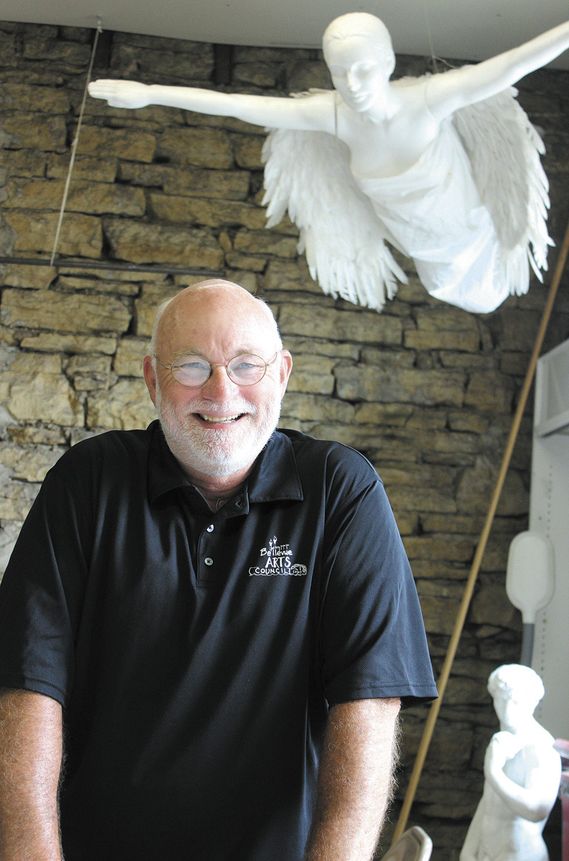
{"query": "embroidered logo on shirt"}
[(277, 560)]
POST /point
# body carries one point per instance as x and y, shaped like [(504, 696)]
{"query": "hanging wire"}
[(429, 34), (98, 32)]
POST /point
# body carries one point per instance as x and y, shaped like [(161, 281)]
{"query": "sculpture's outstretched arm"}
[(314, 113), (457, 88)]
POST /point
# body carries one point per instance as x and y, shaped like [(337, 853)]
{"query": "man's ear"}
[(150, 377), (285, 370)]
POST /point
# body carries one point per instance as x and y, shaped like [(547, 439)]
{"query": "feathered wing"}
[(504, 150), (308, 174)]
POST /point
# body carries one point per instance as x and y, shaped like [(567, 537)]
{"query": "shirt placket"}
[(208, 549)]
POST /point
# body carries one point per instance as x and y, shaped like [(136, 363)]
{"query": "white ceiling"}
[(457, 29)]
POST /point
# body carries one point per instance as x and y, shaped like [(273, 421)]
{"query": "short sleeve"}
[(41, 591), (372, 636)]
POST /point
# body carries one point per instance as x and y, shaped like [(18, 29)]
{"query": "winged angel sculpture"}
[(445, 167)]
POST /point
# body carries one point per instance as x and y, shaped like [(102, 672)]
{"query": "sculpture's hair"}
[(517, 681), (364, 26), (218, 283)]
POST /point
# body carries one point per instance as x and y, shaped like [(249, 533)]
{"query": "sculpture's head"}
[(359, 54), (516, 691)]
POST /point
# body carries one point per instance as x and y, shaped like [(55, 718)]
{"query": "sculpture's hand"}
[(121, 94), (503, 747)]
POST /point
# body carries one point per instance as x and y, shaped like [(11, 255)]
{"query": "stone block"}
[(255, 74), (47, 309), (87, 168), (383, 358), (56, 51), (25, 97), (211, 213), (440, 601), (16, 499), (490, 392), (29, 277), (23, 162), (224, 184), (306, 75), (125, 406), (30, 131), (450, 749), (421, 499), (491, 606), (318, 348), (290, 275), (130, 144), (90, 197), (177, 60), (436, 570), (28, 463), (312, 407), (47, 398), (517, 329), (55, 343), (365, 327), (312, 374), (399, 384), (268, 242), (383, 415), (444, 328), (81, 235), (146, 306), (156, 243), (245, 261), (200, 147), (248, 151), (88, 283), (446, 548), (130, 353), (477, 484), (468, 420)]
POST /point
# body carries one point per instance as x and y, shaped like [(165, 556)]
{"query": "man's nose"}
[(218, 385)]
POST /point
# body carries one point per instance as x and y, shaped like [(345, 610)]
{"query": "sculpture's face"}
[(359, 72), (513, 712)]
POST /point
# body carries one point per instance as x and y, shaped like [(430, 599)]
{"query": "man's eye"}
[(191, 365)]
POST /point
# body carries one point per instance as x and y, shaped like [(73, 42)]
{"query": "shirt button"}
[(208, 561), (210, 528)]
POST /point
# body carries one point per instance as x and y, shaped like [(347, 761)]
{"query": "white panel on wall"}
[(549, 515)]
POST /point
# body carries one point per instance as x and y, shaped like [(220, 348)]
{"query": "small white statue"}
[(522, 771), (444, 167)]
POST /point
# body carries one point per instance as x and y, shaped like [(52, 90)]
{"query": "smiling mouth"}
[(219, 419)]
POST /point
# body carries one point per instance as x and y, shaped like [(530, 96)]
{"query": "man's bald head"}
[(226, 292)]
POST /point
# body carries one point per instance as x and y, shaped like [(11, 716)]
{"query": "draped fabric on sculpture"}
[(471, 212)]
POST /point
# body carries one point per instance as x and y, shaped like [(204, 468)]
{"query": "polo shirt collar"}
[(274, 476)]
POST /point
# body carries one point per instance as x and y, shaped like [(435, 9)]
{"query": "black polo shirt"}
[(196, 654)]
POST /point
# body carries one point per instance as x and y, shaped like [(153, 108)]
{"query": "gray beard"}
[(208, 457)]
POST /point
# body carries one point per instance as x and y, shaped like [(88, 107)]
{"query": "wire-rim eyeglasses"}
[(245, 369)]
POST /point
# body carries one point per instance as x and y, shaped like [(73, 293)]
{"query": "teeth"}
[(218, 419)]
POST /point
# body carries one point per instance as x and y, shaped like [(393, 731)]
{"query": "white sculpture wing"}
[(504, 150), (308, 174)]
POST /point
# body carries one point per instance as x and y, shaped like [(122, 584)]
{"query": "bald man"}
[(211, 621)]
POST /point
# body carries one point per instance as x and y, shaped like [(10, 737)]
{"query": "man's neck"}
[(218, 490)]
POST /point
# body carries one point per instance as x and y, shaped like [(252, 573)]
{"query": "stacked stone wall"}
[(427, 391)]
